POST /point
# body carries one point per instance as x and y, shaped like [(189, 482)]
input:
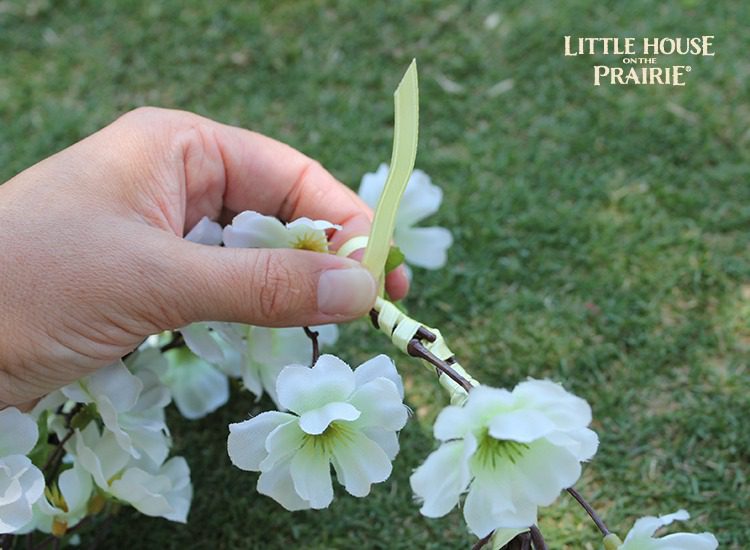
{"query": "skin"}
[(93, 259)]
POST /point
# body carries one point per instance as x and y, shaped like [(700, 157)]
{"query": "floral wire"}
[(313, 335), (589, 510)]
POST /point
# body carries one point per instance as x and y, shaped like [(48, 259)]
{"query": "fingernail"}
[(346, 292)]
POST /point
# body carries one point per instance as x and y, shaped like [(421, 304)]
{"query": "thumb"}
[(266, 287)]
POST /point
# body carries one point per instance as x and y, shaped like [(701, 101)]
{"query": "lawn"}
[(602, 233)]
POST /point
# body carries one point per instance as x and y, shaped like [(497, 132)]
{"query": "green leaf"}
[(395, 258)]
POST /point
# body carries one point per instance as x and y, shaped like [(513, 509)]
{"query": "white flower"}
[(198, 388), (160, 491), (341, 417), (253, 230), (130, 405), (269, 350), (21, 483), (65, 504), (641, 536), (513, 451), (155, 490), (422, 246)]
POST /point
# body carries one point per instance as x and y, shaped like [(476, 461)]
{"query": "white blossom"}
[(641, 536), (512, 451), (338, 417), (269, 350), (130, 405), (422, 246), (162, 490), (21, 483), (250, 229), (66, 503)]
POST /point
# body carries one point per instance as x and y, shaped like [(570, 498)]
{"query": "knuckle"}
[(274, 284)]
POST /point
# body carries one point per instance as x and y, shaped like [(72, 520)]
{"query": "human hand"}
[(93, 261)]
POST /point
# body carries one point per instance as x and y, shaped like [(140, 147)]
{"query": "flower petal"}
[(646, 526), (381, 405), (453, 422), (380, 366), (425, 247), (372, 184), (359, 463), (117, 383), (198, 339), (441, 479), (316, 421), (491, 502), (253, 230), (688, 541), (547, 470), (205, 232), (386, 439), (282, 443), (421, 199), (311, 474), (301, 389), (524, 425), (18, 432), (246, 443), (197, 387), (277, 483)]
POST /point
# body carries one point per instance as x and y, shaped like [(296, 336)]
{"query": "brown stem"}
[(177, 342), (537, 538), (313, 335), (481, 542), (589, 510), (417, 349)]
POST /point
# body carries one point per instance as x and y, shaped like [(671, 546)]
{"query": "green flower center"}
[(491, 451), (337, 433), (311, 241)]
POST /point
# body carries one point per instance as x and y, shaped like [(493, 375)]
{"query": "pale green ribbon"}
[(405, 132)]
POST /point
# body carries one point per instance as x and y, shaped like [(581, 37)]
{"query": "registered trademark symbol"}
[(688, 69)]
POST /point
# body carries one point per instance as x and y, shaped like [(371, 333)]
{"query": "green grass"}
[(601, 233)]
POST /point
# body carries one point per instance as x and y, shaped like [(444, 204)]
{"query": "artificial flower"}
[(513, 452), (130, 405), (641, 536), (250, 229), (21, 483), (269, 350), (65, 504), (338, 417), (162, 490), (422, 246), (159, 491)]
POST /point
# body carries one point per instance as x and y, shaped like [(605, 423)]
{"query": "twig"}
[(481, 542), (537, 538), (589, 510), (57, 453), (417, 349), (313, 335), (177, 342)]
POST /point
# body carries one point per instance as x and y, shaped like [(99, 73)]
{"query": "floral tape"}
[(352, 245), (406, 125)]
